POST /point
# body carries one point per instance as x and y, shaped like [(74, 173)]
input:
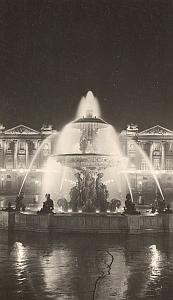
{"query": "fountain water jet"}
[(53, 135), (150, 167)]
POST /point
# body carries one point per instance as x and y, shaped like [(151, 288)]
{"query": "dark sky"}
[(52, 52)]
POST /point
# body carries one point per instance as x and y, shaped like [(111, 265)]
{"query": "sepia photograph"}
[(86, 149)]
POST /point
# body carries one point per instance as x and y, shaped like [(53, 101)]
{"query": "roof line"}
[(155, 127), (6, 131)]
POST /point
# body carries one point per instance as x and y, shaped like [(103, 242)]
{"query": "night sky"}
[(53, 52)]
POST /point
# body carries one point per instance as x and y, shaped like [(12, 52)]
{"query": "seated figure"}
[(48, 205), (128, 203), (19, 201), (130, 206), (153, 209)]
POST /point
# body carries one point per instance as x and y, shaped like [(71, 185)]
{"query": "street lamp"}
[(140, 186), (36, 186), (2, 183)]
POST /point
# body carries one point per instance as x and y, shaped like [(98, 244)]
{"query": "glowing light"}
[(155, 261), (20, 251), (2, 178), (88, 106), (60, 209), (150, 167), (97, 211), (108, 211), (21, 170), (69, 210), (79, 211)]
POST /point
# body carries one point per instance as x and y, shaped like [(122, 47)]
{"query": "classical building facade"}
[(149, 152), (18, 147), (153, 163)]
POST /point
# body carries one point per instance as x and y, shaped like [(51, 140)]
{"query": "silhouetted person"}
[(153, 209), (48, 205), (128, 203), (23, 207), (19, 201), (130, 206)]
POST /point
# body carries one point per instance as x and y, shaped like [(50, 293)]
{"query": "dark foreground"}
[(38, 266)]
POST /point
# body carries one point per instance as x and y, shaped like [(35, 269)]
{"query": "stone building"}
[(18, 147), (156, 158)]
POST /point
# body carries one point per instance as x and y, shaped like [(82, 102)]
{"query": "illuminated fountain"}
[(90, 172), (89, 156)]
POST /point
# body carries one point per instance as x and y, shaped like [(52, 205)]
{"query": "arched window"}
[(156, 163), (131, 149), (46, 149), (22, 146), (157, 147)]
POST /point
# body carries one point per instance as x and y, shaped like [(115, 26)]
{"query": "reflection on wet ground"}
[(78, 266)]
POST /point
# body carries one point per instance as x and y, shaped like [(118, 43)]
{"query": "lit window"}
[(157, 146), (131, 150), (156, 163), (143, 164), (169, 164), (22, 146)]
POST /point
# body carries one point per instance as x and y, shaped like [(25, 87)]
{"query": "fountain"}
[(88, 151), (91, 172), (87, 173)]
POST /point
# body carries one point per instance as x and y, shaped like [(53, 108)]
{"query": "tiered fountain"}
[(89, 173), (89, 148)]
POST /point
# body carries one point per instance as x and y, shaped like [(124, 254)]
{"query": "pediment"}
[(21, 129), (157, 130)]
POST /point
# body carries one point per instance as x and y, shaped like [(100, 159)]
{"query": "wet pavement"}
[(78, 266)]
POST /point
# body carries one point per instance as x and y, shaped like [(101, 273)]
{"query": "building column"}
[(151, 152), (4, 152), (26, 155), (39, 157), (138, 155), (163, 157), (15, 154)]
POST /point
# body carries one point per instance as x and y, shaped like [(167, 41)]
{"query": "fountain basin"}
[(91, 161), (86, 223)]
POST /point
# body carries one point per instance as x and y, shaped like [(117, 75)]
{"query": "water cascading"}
[(90, 168), (37, 153), (88, 146)]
